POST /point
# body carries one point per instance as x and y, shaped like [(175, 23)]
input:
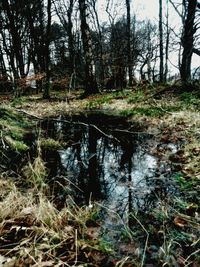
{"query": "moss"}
[(13, 127), (16, 145), (50, 144)]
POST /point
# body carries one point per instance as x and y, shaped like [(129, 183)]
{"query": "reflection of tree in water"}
[(124, 174)]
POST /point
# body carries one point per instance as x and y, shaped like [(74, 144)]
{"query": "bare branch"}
[(196, 51), (175, 7)]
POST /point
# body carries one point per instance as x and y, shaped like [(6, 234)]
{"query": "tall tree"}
[(99, 42), (167, 42), (161, 40), (190, 25), (189, 29), (46, 94), (15, 37), (130, 74), (64, 11), (89, 79)]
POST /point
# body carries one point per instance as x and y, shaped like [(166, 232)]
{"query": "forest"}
[(100, 133)]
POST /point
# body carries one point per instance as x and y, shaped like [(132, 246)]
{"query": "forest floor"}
[(34, 232)]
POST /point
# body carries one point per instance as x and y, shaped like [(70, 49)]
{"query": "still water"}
[(109, 160)]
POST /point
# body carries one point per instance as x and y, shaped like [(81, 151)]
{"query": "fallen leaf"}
[(180, 222)]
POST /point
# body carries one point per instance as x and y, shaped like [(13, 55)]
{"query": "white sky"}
[(142, 8), (147, 9)]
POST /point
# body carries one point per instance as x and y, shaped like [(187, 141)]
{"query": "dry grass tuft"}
[(35, 173), (35, 233)]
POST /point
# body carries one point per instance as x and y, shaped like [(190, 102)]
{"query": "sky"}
[(143, 8), (147, 9)]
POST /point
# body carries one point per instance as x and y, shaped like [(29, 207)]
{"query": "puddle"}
[(107, 159)]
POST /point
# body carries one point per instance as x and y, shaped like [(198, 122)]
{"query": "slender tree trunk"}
[(2, 63), (102, 75), (167, 44), (142, 75), (188, 42), (70, 37), (149, 57), (90, 81), (46, 94), (130, 72), (161, 41)]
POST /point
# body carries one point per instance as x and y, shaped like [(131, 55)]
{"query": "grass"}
[(35, 232), (148, 111), (98, 102), (13, 127), (49, 143), (35, 173)]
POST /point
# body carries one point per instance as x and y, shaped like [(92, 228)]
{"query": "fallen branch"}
[(88, 125), (70, 122), (28, 114)]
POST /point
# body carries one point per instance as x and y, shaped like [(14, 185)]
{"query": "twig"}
[(28, 114), (122, 262), (87, 125), (195, 252), (71, 122), (147, 238)]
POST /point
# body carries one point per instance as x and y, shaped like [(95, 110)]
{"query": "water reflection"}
[(124, 175)]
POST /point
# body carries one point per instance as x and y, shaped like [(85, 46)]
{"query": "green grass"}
[(17, 101), (139, 96), (98, 102), (189, 99), (13, 127)]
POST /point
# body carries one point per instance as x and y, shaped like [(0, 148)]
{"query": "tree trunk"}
[(102, 75), (161, 42), (46, 94), (15, 38), (188, 42), (167, 44), (90, 81), (130, 73), (70, 37)]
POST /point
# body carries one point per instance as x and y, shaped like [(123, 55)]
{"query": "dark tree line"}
[(64, 45)]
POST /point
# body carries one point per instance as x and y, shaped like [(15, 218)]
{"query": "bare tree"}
[(100, 40), (90, 80), (167, 42), (64, 11), (161, 40), (130, 74), (46, 94), (189, 30)]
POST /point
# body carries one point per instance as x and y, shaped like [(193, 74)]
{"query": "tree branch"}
[(196, 51)]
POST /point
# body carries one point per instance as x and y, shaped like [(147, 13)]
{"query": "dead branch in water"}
[(70, 122)]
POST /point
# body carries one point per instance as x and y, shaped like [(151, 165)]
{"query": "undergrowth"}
[(34, 231)]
